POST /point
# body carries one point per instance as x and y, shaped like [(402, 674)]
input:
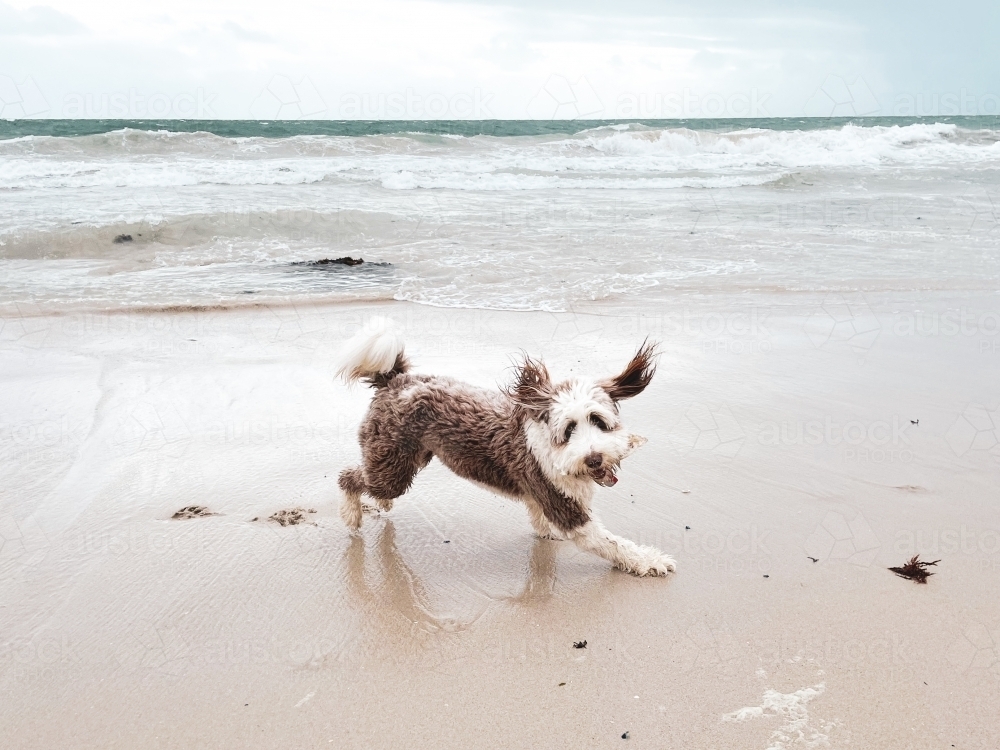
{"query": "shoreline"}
[(608, 306)]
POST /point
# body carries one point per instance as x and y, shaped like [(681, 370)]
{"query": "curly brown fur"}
[(477, 435), (635, 377), (518, 441)]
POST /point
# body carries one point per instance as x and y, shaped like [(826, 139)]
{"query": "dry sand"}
[(447, 624)]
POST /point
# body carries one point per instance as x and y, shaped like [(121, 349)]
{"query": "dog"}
[(542, 443)]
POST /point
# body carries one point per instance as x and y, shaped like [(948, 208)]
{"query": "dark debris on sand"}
[(579, 644), (292, 516), (915, 569), (193, 511)]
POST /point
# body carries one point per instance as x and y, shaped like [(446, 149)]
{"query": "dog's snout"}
[(593, 460)]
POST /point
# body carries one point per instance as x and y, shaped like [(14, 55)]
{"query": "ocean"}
[(516, 215)]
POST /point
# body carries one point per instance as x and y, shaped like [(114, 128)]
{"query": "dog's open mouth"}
[(605, 476)]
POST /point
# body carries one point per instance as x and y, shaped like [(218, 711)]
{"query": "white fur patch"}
[(539, 439), (622, 553), (371, 351), (579, 405)]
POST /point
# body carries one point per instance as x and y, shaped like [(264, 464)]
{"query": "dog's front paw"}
[(662, 565), (649, 562)]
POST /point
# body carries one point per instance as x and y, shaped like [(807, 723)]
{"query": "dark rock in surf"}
[(122, 238), (345, 261)]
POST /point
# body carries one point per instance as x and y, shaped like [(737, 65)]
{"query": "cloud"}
[(851, 57), (247, 35), (38, 20)]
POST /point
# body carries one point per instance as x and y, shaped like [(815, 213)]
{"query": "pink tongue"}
[(608, 479)]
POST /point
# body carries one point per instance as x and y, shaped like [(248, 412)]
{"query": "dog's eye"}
[(599, 423), (569, 430)]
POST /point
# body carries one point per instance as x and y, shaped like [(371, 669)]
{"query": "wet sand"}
[(819, 439)]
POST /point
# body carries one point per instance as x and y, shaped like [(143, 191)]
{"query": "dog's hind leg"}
[(352, 483), (389, 476)]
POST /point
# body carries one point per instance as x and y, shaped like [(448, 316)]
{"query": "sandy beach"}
[(799, 445)]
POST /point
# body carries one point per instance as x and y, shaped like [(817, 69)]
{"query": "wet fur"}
[(511, 441)]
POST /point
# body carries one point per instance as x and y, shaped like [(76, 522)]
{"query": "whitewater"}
[(158, 217)]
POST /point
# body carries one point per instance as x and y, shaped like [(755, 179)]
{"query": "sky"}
[(521, 59)]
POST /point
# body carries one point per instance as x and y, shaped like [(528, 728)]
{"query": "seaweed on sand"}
[(915, 569)]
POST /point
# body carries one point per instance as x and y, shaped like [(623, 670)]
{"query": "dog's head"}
[(573, 427)]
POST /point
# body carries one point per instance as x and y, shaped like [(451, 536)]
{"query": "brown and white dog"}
[(539, 442)]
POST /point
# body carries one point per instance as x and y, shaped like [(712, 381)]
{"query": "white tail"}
[(371, 351)]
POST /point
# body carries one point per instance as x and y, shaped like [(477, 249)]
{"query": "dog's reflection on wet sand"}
[(392, 595)]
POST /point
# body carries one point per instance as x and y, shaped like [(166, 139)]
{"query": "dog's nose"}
[(593, 460)]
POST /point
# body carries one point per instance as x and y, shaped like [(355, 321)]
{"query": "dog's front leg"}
[(540, 523), (623, 554)]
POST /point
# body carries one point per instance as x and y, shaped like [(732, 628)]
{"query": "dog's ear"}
[(635, 377), (532, 387)]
